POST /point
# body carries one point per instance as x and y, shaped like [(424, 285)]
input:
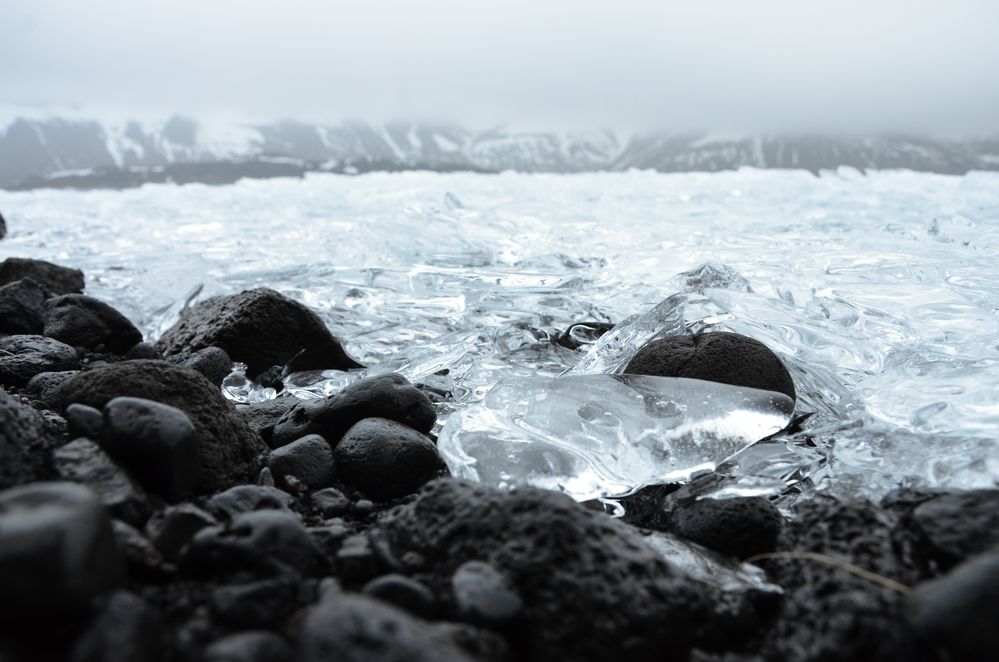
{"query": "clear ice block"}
[(594, 436)]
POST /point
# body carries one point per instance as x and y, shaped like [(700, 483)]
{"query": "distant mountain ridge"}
[(76, 151)]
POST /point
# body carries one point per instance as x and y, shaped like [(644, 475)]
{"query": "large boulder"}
[(729, 358), (82, 321), (260, 328), (591, 588), (58, 280), (229, 451)]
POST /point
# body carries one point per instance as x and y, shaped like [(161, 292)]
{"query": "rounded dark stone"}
[(212, 362), (738, 527), (956, 615), (260, 328), (567, 564), (57, 549), (82, 321), (404, 593), (56, 279), (83, 461), (142, 350), (22, 307), (174, 526), (45, 386), (263, 542), (84, 421), (126, 629), (355, 628), (247, 498), (385, 460), (729, 358), (383, 396), (483, 595), (331, 502), (309, 460), (156, 442), (256, 646), (23, 357), (229, 451)]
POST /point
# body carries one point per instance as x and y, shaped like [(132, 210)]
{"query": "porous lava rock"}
[(309, 460), (25, 443), (592, 589), (389, 396), (729, 358), (86, 322), (22, 357), (229, 451), (55, 278), (739, 527), (260, 328), (22, 307)]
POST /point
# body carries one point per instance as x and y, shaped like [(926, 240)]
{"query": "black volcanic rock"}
[(82, 321), (404, 593), (260, 328), (385, 460), (44, 386), (738, 527), (24, 443), (211, 362), (309, 460), (483, 595), (388, 396), (57, 550), (157, 443), (230, 451), (355, 628), (592, 589), (83, 461), (955, 615), (954, 527), (22, 307), (23, 357), (828, 613), (56, 279), (729, 358), (247, 498), (126, 629), (263, 416), (252, 646)]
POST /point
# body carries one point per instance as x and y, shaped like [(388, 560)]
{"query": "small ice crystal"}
[(594, 436)]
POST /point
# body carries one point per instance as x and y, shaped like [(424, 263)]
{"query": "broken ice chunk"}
[(617, 347), (594, 436)]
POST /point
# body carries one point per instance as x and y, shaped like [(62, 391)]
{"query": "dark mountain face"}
[(85, 153)]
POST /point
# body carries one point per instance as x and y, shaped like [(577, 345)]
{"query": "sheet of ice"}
[(594, 436), (880, 292)]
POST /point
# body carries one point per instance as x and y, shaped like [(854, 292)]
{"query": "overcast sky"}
[(720, 64)]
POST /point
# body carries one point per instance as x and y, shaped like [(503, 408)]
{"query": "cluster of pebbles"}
[(143, 517)]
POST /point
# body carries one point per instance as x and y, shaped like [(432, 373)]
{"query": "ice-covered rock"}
[(595, 436)]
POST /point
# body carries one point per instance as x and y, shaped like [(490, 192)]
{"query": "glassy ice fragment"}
[(594, 436)]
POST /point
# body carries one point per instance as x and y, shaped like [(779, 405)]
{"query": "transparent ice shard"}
[(594, 436), (616, 347)]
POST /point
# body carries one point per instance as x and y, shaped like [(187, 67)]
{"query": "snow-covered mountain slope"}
[(73, 149)]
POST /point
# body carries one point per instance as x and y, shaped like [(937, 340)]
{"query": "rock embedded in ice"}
[(729, 358), (594, 436)]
